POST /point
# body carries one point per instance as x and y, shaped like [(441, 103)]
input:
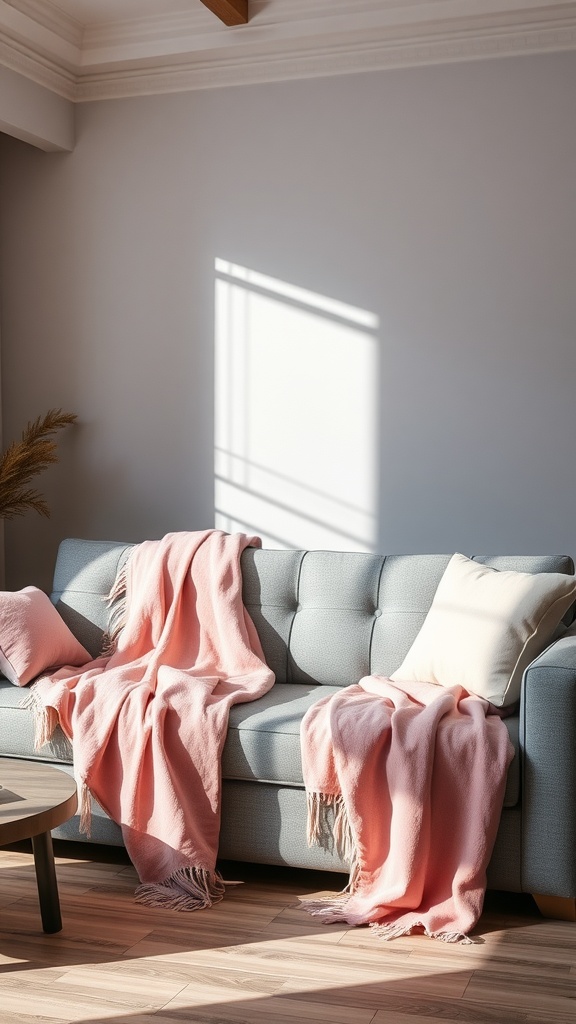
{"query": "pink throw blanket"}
[(415, 776), (148, 724)]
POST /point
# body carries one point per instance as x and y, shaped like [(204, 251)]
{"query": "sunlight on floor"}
[(258, 957)]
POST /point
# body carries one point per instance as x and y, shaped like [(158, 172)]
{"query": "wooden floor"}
[(257, 959)]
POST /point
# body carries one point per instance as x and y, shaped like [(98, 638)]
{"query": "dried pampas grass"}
[(24, 459)]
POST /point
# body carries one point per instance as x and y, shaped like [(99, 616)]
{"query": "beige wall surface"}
[(361, 289), (34, 114)]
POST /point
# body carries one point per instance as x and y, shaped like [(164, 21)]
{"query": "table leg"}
[(47, 883)]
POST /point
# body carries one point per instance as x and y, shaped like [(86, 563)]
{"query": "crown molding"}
[(39, 69), (40, 43), (49, 17), (191, 49), (320, 63)]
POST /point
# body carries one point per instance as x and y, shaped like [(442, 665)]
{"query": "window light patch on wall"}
[(296, 381)]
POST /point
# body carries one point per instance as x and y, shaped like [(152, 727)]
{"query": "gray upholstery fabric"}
[(263, 742), (83, 577), (528, 563), (325, 619), (505, 867), (266, 824), (512, 793), (407, 587), (548, 745), (332, 629), (331, 617), (270, 594), (283, 839)]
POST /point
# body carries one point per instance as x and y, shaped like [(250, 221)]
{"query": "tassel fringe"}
[(116, 601), (45, 718), (329, 827), (396, 931), (323, 832), (186, 889), (85, 824), (330, 909)]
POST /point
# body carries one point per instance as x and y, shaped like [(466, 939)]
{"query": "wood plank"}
[(145, 991), (443, 1013), (211, 1002), (46, 1001), (554, 1001), (367, 991), (257, 957), (231, 12), (290, 923), (27, 1018)]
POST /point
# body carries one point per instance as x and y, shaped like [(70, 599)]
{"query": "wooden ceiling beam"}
[(231, 12)]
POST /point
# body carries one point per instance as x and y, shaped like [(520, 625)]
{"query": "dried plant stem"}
[(24, 459)]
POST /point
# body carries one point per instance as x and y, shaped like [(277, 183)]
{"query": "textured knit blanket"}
[(148, 723), (408, 780)]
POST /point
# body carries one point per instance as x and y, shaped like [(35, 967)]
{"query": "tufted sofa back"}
[(322, 616)]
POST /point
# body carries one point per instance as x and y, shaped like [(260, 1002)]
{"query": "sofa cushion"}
[(33, 636), (263, 742), (83, 577), (485, 626), (322, 616)]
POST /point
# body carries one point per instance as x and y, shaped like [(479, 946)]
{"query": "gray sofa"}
[(325, 619)]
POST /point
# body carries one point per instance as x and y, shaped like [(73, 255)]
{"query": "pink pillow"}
[(34, 637)]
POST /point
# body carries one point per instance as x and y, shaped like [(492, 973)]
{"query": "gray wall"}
[(36, 115), (442, 200)]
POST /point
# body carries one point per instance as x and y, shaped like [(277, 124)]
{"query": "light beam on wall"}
[(296, 380)]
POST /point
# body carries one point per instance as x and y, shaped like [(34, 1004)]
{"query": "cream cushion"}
[(484, 628)]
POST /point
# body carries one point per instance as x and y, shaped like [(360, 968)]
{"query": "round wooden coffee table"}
[(34, 799)]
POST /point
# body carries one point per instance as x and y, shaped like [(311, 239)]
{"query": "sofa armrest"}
[(548, 765)]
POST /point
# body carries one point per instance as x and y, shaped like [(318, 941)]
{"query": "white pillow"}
[(484, 628)]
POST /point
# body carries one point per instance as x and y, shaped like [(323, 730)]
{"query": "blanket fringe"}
[(395, 930), (330, 909), (187, 888), (329, 827), (116, 601), (85, 823), (321, 832), (45, 718)]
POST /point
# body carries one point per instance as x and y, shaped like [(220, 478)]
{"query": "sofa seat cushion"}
[(263, 742)]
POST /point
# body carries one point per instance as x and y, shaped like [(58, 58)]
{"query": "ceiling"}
[(95, 49)]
